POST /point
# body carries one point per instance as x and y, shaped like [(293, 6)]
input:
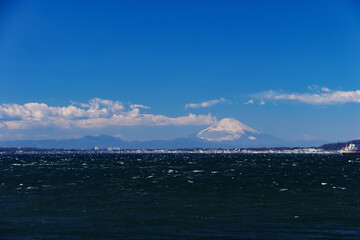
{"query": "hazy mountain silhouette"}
[(227, 133)]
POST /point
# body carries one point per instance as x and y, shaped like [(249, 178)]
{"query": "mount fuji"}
[(227, 129), (230, 132)]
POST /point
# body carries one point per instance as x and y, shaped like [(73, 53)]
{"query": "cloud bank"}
[(326, 96), (97, 113), (205, 103)]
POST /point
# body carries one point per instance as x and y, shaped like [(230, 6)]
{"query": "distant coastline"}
[(111, 145), (277, 150)]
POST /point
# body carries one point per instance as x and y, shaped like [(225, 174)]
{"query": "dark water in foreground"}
[(179, 197)]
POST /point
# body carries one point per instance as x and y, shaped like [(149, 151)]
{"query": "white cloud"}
[(139, 106), (313, 87), (325, 97), (325, 89), (308, 137), (97, 113), (251, 101), (205, 103)]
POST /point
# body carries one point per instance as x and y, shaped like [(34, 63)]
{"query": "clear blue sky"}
[(296, 61)]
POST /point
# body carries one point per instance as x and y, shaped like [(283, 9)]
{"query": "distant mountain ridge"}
[(105, 141), (338, 145), (227, 133)]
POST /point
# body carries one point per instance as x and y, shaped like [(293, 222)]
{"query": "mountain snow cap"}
[(226, 129)]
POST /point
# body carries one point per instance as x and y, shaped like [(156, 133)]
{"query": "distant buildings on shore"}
[(116, 150)]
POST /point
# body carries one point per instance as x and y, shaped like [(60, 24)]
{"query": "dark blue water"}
[(179, 197)]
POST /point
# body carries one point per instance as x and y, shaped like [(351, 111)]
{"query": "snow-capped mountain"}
[(228, 129), (230, 132)]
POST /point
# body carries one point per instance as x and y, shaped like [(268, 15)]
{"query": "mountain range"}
[(339, 145), (226, 133)]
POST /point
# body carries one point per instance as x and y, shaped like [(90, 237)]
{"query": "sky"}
[(143, 70)]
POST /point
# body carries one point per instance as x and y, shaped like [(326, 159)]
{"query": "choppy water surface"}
[(179, 197)]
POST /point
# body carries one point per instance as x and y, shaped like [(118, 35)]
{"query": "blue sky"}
[(295, 62)]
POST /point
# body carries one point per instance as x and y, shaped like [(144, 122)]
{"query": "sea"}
[(179, 196)]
